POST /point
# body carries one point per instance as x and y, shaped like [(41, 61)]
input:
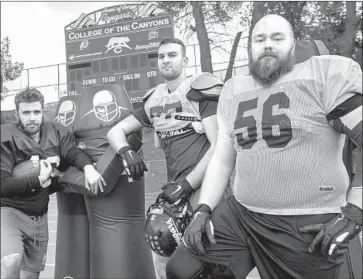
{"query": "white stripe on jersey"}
[(351, 119)]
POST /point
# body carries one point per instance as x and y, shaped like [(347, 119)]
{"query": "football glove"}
[(174, 192), (200, 227), (133, 163), (339, 230)]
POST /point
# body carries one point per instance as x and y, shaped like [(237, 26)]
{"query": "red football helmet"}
[(165, 225)]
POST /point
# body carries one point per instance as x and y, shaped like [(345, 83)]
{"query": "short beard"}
[(268, 74), (171, 77), (23, 128)]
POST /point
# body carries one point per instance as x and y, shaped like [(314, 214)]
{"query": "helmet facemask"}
[(165, 225), (66, 118), (106, 112)]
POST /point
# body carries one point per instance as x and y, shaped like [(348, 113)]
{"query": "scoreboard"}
[(122, 53)]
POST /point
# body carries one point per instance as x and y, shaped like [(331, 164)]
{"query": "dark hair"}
[(171, 40), (28, 95)]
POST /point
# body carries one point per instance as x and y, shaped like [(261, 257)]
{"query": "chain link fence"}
[(51, 80)]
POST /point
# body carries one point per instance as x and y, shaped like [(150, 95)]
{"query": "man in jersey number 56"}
[(283, 128)]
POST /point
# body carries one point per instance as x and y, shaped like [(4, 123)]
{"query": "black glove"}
[(200, 227), (339, 230), (176, 191), (133, 163), (55, 186)]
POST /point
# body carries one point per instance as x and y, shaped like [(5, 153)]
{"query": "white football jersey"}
[(289, 158)]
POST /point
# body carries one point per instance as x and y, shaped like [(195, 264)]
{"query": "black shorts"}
[(272, 243)]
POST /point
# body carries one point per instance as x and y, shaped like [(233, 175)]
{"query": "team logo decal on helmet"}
[(105, 106), (165, 225), (66, 113)]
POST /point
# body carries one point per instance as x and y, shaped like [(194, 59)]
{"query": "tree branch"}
[(218, 33), (183, 16), (216, 46)]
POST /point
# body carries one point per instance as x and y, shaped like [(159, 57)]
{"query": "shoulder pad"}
[(206, 81), (205, 87), (148, 94)]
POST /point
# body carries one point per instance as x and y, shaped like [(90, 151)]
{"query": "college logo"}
[(105, 106), (117, 43), (153, 34), (84, 44), (66, 113)]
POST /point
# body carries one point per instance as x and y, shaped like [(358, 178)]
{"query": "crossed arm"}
[(117, 135)]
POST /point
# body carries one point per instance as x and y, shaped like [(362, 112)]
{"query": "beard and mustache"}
[(269, 67), (29, 131)]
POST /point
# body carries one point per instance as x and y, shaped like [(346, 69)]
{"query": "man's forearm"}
[(215, 181), (117, 135), (355, 196), (78, 158), (12, 187), (117, 138), (195, 177)]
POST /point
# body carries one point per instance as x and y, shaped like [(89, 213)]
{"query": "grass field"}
[(155, 178)]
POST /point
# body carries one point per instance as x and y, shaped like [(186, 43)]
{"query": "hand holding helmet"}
[(165, 225)]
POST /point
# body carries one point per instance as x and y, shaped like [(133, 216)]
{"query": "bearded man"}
[(24, 201), (283, 128)]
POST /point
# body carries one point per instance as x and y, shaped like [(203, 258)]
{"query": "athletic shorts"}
[(24, 234), (272, 243)]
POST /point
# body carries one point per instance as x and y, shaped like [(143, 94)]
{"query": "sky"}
[(36, 32), (40, 41)]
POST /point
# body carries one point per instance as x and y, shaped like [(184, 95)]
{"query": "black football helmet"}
[(165, 225)]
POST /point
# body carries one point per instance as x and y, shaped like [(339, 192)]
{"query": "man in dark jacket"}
[(24, 202)]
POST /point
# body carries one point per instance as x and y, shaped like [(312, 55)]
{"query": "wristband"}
[(203, 208), (123, 149), (353, 213), (186, 185)]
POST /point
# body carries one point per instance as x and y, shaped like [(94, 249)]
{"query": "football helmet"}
[(165, 225), (105, 105), (66, 113)]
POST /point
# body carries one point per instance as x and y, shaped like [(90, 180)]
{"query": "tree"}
[(337, 24), (9, 70), (232, 56), (204, 46), (208, 20)]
